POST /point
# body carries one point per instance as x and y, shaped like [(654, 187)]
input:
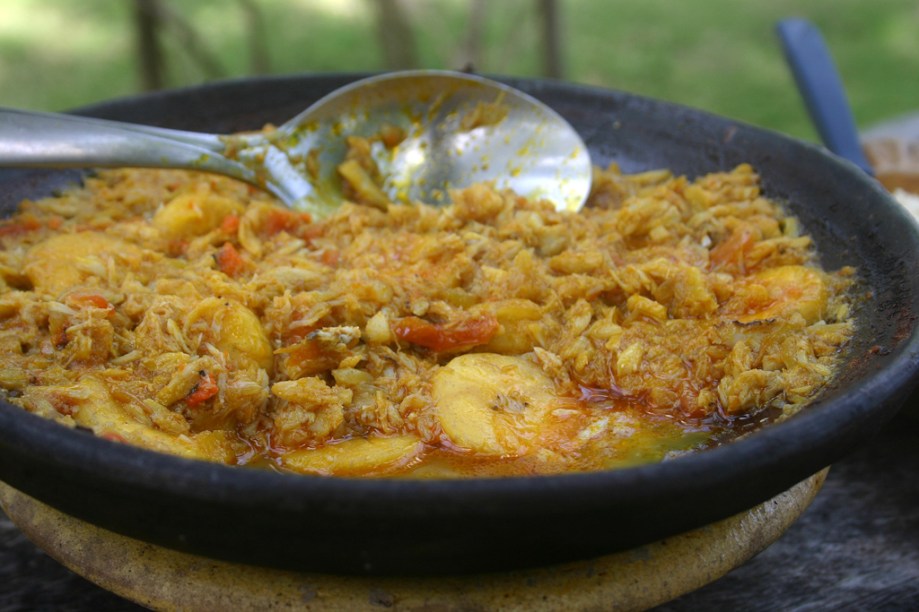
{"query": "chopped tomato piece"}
[(285, 221), (203, 391), (23, 226), (230, 224), (464, 333), (731, 253), (176, 248), (64, 404), (309, 358), (330, 257), (229, 260), (87, 300)]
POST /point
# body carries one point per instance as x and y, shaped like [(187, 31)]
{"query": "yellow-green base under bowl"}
[(164, 579)]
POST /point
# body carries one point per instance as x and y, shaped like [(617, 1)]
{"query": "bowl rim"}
[(755, 454)]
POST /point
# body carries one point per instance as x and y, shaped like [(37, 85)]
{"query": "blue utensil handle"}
[(822, 89)]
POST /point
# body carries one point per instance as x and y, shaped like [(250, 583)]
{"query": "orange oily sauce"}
[(193, 315)]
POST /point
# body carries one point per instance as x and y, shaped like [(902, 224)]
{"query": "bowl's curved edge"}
[(179, 503), (636, 579)]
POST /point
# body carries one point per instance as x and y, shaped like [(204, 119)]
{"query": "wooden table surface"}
[(856, 548)]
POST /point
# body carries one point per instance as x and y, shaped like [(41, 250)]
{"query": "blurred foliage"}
[(719, 55)]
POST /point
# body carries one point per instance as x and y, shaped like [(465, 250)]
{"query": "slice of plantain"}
[(355, 457), (94, 407), (777, 292), (493, 405)]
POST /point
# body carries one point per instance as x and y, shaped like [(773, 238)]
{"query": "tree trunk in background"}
[(470, 58), (153, 17), (397, 41), (146, 19), (189, 39), (259, 62), (552, 43)]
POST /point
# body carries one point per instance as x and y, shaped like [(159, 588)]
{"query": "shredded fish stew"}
[(190, 314)]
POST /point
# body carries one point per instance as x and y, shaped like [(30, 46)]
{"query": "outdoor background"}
[(718, 55)]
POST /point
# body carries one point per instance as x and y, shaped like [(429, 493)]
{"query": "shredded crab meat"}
[(191, 314)]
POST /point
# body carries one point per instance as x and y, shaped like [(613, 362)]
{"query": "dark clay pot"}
[(436, 527)]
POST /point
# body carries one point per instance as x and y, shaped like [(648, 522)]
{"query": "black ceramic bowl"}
[(431, 527)]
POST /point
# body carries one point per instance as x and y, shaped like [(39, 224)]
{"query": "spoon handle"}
[(31, 139), (822, 89)]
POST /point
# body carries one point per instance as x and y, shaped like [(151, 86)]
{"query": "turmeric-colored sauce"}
[(193, 315)]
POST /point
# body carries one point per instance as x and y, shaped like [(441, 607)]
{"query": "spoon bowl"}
[(456, 129), (451, 130)]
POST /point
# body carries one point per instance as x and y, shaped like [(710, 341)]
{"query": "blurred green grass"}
[(718, 55)]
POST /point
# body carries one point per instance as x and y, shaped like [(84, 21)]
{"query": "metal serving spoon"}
[(454, 130)]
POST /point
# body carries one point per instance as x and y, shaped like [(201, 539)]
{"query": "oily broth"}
[(191, 314)]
